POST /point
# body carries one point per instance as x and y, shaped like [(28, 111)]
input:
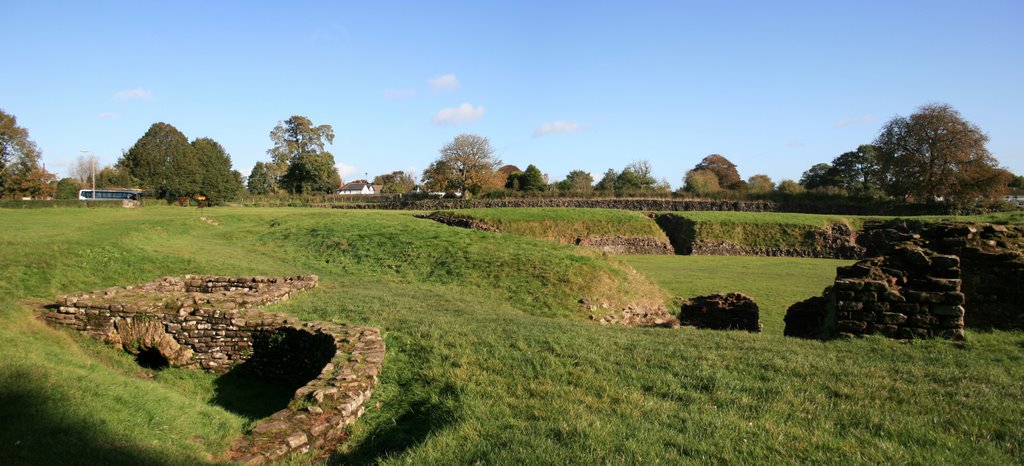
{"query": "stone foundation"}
[(213, 323), (626, 244)]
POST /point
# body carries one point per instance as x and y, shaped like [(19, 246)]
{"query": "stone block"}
[(849, 305), (851, 326), (948, 310), (296, 440), (848, 285), (892, 318)]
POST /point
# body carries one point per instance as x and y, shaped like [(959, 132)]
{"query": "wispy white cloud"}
[(345, 170), (461, 114), (399, 94), (855, 121), (557, 127), (794, 143), (107, 116), (447, 82), (133, 94)]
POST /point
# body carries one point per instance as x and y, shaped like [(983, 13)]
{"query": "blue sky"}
[(773, 86)]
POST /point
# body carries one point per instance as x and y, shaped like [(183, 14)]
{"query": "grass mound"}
[(566, 225), (534, 276)]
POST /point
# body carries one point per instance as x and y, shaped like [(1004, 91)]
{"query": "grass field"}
[(488, 360)]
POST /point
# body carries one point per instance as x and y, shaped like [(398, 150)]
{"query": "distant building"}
[(362, 187), (1015, 196)]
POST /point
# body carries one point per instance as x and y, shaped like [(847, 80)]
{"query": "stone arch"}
[(137, 336)]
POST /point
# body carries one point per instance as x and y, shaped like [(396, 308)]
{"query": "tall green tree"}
[(162, 162), (466, 165), (857, 171), (20, 168), (577, 181), (636, 177), (261, 181), (217, 181), (396, 182), (820, 175), (67, 188), (607, 182), (300, 145), (529, 180), (114, 177), (936, 154)]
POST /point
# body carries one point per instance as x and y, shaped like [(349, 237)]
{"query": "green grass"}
[(774, 283), (476, 372), (565, 225)]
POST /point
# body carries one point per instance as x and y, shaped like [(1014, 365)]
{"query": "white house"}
[(359, 187)]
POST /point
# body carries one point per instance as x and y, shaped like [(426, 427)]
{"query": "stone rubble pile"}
[(731, 311)]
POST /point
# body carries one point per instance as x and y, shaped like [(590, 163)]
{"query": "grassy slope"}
[(565, 225), (471, 377)]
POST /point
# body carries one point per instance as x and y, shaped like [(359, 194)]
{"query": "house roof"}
[(357, 185)]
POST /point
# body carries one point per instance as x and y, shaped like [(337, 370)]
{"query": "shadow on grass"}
[(416, 422), (244, 393), (34, 430)]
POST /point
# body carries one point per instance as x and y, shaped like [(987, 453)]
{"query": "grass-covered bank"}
[(475, 371), (565, 225)]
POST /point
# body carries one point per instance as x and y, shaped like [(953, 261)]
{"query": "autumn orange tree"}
[(935, 155)]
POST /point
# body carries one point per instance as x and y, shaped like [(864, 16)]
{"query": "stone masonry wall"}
[(991, 258), (194, 321), (213, 323), (912, 293)]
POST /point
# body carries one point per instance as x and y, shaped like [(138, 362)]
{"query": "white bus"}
[(109, 194)]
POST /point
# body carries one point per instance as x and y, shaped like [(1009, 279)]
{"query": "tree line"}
[(930, 156)]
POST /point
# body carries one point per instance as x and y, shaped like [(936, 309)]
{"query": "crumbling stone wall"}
[(194, 321), (627, 244), (991, 261), (213, 323), (911, 293), (926, 280)]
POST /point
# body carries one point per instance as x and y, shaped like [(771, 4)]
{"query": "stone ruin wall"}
[(925, 280), (991, 264), (213, 323), (195, 321), (911, 293)]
